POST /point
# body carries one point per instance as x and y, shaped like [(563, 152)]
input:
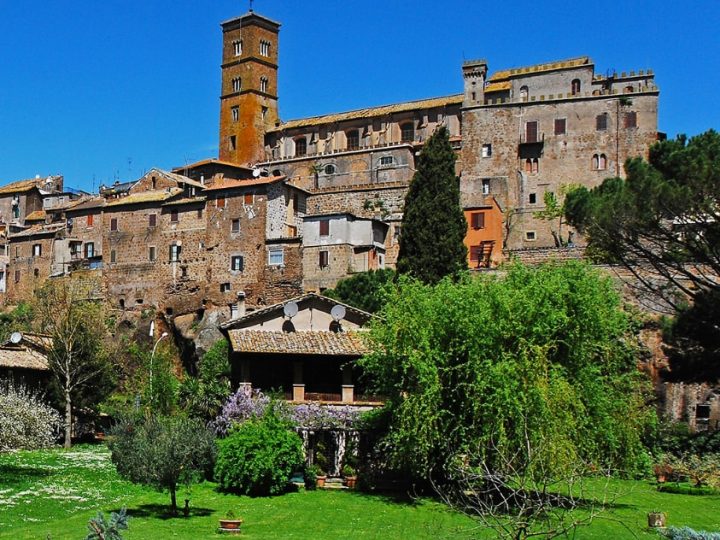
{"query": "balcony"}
[(531, 145)]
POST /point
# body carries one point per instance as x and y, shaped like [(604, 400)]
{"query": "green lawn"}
[(56, 492)]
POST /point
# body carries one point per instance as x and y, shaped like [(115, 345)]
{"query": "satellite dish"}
[(290, 309), (256, 173), (338, 312), (15, 337)]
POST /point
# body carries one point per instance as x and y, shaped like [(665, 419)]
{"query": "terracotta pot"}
[(320, 482), (351, 481), (656, 519), (230, 524)]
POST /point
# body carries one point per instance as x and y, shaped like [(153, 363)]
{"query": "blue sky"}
[(104, 90)]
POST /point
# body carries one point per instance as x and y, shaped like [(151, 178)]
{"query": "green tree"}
[(68, 312), (163, 452), (203, 396), (485, 367), (663, 221), (433, 226), (19, 319), (365, 290)]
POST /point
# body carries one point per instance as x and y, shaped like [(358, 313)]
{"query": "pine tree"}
[(433, 226)]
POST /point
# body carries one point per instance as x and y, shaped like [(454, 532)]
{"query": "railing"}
[(322, 396)]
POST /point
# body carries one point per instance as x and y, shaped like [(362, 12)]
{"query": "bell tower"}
[(248, 100)]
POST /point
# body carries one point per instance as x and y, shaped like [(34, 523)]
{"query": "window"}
[(407, 132), (276, 257), (601, 122), (575, 87), (235, 112), (628, 89), (386, 161), (595, 162), (263, 84), (523, 93), (225, 287), (486, 150), (36, 272), (248, 199), (232, 142), (17, 276), (630, 120), (353, 139), (263, 112), (237, 84), (300, 146), (75, 249), (154, 182), (532, 198), (329, 169), (113, 224), (152, 220), (324, 227), (17, 251), (531, 131), (200, 213), (220, 202), (477, 220), (486, 186), (532, 165), (602, 162), (530, 236), (237, 47), (89, 250), (235, 226), (174, 216), (560, 126), (264, 47), (234, 310), (152, 253), (90, 220), (396, 233), (236, 263), (175, 250), (37, 250), (113, 256), (323, 259)]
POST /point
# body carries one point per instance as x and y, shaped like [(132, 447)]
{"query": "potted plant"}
[(656, 519), (321, 462), (311, 474), (350, 476), (231, 523)]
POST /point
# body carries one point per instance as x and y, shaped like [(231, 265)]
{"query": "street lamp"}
[(152, 357)]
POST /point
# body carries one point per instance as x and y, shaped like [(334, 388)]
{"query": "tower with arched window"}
[(248, 98)]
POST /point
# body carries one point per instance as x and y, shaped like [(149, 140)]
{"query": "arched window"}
[(330, 169), (535, 165), (263, 84), (407, 132), (628, 89), (602, 162), (300, 146), (353, 139), (523, 93), (237, 84), (575, 87), (595, 162)]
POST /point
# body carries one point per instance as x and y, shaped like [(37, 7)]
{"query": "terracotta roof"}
[(19, 187), (209, 161), (226, 183), (37, 215), (50, 228), (144, 196), (455, 99), (22, 358), (549, 66), (188, 200), (278, 342), (498, 87), (88, 204)]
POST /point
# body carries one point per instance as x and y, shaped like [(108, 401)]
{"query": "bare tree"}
[(70, 315), (520, 494)]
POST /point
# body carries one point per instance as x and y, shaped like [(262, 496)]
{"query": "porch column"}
[(245, 383), (348, 388), (298, 384)]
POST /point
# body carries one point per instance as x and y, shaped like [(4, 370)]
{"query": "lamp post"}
[(152, 357)]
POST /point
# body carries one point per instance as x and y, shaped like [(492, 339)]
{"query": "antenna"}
[(290, 309), (251, 3), (338, 312), (15, 337)]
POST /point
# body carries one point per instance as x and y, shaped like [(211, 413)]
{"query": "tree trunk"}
[(68, 415), (173, 500)]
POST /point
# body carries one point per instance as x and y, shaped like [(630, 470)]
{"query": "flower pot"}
[(656, 519), (320, 481), (230, 525), (351, 481)]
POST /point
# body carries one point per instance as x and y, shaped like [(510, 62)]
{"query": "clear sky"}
[(100, 91)]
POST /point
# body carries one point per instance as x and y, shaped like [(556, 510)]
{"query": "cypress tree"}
[(433, 226)]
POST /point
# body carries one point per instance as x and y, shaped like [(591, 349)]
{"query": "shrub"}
[(100, 528), (203, 396), (26, 422), (701, 470), (259, 456), (163, 452), (685, 489), (686, 533)]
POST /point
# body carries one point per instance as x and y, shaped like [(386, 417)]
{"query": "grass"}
[(55, 493)]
